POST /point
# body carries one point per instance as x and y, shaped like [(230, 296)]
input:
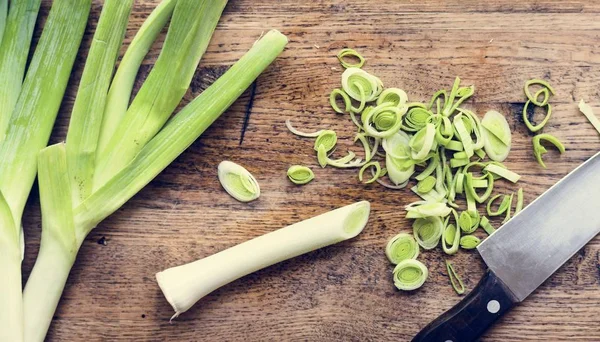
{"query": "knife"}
[(524, 252)]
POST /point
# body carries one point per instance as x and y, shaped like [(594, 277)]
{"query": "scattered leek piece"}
[(589, 114), (539, 150), (383, 121), (503, 172), (333, 98), (493, 146), (401, 247), (544, 90), (532, 127), (410, 275), (326, 138), (315, 134), (238, 182), (427, 209), (502, 207), (451, 236), (486, 225), (394, 96), (360, 85), (496, 124), (467, 223), (509, 208), (185, 285), (427, 231), (350, 53), (519, 205), (426, 184), (469, 242), (299, 174), (455, 280), (376, 174)]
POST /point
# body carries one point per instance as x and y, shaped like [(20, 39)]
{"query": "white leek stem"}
[(11, 313), (185, 285)]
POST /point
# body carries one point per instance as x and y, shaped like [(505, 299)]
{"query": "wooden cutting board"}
[(343, 292)]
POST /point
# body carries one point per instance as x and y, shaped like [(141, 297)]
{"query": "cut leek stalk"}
[(184, 285), (190, 31), (238, 182)]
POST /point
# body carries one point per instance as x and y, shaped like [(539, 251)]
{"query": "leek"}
[(185, 285), (44, 287), (190, 31), (28, 121), (119, 94), (16, 32), (86, 119)]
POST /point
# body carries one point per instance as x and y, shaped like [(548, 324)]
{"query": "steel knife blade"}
[(524, 252)]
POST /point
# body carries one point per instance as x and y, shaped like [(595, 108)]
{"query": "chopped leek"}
[(410, 275), (353, 54), (427, 231), (401, 247), (539, 150), (238, 182), (455, 280), (185, 285), (589, 114), (299, 174), (469, 242)]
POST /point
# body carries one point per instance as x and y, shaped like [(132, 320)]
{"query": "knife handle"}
[(471, 317)]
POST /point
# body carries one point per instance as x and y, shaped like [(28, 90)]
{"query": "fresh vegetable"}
[(401, 247), (193, 19), (469, 242), (238, 182), (539, 150), (299, 174), (27, 114), (344, 53), (589, 114), (496, 136), (546, 90), (455, 280), (409, 275), (185, 285)]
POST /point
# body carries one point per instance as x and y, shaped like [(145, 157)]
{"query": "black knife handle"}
[(471, 317)]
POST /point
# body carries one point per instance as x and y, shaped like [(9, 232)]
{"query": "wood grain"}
[(343, 292)]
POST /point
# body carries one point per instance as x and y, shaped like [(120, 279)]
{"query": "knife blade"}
[(524, 252)]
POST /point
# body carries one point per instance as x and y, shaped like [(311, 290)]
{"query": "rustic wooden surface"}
[(343, 292)]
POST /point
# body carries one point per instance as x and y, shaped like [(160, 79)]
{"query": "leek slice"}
[(315, 134), (532, 127), (410, 275), (401, 247), (519, 205), (185, 285), (422, 142), (350, 53), (300, 175), (394, 96), (376, 174), (496, 124), (416, 118), (589, 114), (383, 121), (333, 101), (428, 231), (327, 138), (356, 81), (455, 280), (493, 146), (427, 209), (469, 242), (426, 184), (486, 225), (238, 182), (502, 172), (544, 90), (502, 207), (539, 150)]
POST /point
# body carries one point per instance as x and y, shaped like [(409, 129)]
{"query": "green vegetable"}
[(326, 138), (410, 275), (178, 134), (485, 224), (185, 285), (502, 172), (299, 174), (545, 88), (589, 114), (427, 231), (502, 208), (350, 53), (119, 94), (401, 247), (16, 31), (508, 210), (469, 242), (315, 134), (519, 205), (333, 101), (27, 113), (455, 280), (426, 209), (164, 88), (532, 127), (238, 182), (426, 184), (539, 150), (376, 175)]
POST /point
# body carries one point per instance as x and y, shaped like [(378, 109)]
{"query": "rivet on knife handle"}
[(472, 316)]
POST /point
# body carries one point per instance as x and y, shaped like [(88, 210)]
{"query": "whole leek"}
[(28, 109)]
